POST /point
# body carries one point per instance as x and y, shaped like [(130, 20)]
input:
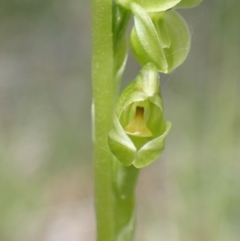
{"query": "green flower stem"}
[(114, 187), (103, 99)]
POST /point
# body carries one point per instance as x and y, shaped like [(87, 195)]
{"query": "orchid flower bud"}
[(161, 37), (139, 128)]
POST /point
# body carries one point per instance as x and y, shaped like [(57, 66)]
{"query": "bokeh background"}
[(192, 193)]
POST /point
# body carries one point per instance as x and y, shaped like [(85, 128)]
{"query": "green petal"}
[(120, 144), (188, 3), (128, 98), (145, 42), (145, 85), (148, 80), (151, 150), (157, 100), (151, 5), (156, 122), (178, 41)]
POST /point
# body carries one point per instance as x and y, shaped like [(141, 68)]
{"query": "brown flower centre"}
[(138, 127)]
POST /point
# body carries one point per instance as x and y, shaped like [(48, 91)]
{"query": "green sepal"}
[(188, 3), (151, 150), (162, 38), (145, 42), (150, 5), (144, 93), (175, 35), (120, 144)]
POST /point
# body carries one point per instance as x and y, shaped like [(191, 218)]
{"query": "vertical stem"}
[(103, 95)]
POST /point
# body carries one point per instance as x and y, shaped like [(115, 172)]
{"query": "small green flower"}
[(161, 37), (139, 128)]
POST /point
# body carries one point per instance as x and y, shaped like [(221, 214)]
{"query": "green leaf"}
[(188, 3), (139, 128), (175, 37), (151, 5), (145, 42)]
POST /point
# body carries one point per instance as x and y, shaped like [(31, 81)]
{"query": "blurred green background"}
[(46, 177)]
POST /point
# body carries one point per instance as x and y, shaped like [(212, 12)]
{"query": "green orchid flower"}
[(161, 37), (139, 128)]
